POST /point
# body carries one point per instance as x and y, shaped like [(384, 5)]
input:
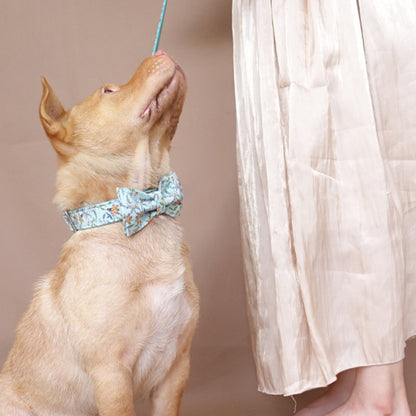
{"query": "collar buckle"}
[(69, 221)]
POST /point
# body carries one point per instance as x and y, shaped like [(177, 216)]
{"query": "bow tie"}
[(135, 208)]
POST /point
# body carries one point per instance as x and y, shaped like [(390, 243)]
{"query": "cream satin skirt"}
[(326, 148)]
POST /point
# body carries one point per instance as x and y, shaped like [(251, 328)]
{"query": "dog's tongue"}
[(160, 52)]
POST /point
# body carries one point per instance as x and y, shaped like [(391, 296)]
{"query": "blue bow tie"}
[(135, 208)]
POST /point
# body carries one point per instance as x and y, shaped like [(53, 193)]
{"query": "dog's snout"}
[(164, 64)]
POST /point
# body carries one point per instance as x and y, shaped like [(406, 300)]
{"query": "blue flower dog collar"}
[(134, 208)]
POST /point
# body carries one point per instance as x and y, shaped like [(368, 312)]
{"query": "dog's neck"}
[(100, 180), (141, 178)]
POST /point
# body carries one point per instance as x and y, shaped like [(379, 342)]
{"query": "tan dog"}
[(114, 320)]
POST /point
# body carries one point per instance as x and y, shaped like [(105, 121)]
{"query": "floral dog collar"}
[(134, 208)]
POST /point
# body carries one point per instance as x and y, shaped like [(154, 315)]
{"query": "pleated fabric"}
[(326, 150)]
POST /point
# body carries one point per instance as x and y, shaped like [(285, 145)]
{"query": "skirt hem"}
[(302, 387)]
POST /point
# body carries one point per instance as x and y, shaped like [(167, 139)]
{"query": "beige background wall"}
[(79, 45)]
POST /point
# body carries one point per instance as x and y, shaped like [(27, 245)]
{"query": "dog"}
[(114, 320)]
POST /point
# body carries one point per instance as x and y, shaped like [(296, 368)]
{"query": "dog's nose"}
[(160, 52)]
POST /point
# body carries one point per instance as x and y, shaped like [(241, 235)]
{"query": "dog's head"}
[(118, 136)]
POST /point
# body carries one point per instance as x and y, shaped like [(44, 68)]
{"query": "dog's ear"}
[(51, 113)]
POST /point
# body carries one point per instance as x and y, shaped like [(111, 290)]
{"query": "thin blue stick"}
[(159, 28)]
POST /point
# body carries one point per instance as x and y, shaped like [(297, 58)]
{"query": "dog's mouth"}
[(164, 96)]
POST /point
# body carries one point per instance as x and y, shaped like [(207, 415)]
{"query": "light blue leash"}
[(159, 28)]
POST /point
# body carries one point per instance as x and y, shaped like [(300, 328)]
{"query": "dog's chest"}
[(170, 315)]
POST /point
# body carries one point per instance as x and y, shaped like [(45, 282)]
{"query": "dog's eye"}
[(109, 89)]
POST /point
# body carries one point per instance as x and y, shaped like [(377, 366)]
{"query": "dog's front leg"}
[(166, 398), (113, 387)]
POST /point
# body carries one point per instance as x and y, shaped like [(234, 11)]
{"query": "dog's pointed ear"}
[(51, 112)]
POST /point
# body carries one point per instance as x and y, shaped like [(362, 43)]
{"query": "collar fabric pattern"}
[(133, 207)]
